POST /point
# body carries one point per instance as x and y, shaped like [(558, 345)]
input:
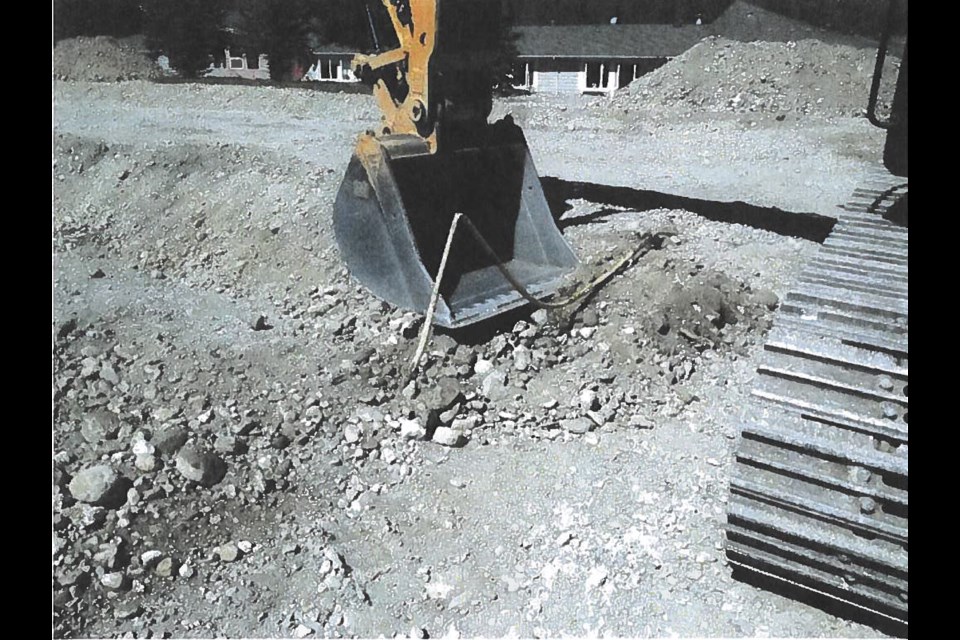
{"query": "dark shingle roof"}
[(607, 40)]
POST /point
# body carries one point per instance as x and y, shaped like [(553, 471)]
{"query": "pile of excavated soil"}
[(238, 453), (805, 77), (101, 59)]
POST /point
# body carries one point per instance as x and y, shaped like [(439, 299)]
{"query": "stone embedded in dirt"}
[(99, 485), (351, 434), (185, 571), (108, 373), (577, 425), (260, 324), (412, 429), (145, 462), (521, 359), (245, 427), (114, 581), (228, 445), (482, 366), (66, 328), (442, 395), (200, 466), (639, 422), (127, 610), (170, 440), (166, 567), (302, 631), (598, 418), (494, 385), (228, 552), (448, 437), (766, 298), (590, 318), (539, 317), (150, 558), (245, 546), (112, 556), (446, 417), (370, 443), (69, 576), (280, 441), (588, 400), (98, 426), (86, 517), (89, 367), (465, 424)]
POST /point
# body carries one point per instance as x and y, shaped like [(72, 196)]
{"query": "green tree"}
[(187, 31), (282, 29), (117, 18)]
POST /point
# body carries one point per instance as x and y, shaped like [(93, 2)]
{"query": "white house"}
[(332, 65), (595, 58), (240, 64)]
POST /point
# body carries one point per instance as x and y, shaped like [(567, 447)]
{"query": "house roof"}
[(334, 48), (607, 40), (741, 21)]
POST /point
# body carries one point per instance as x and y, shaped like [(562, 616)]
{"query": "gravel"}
[(290, 476)]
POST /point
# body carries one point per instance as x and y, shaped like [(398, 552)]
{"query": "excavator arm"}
[(436, 156), (400, 76)]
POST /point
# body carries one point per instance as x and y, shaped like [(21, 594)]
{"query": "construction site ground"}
[(235, 452)]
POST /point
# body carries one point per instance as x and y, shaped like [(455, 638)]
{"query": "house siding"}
[(334, 67)]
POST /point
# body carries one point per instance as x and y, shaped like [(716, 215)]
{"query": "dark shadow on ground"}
[(485, 330), (809, 226), (833, 607)]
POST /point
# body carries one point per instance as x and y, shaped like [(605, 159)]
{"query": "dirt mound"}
[(102, 59), (720, 75), (746, 22), (217, 366)]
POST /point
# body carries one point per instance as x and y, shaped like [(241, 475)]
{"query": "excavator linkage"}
[(436, 155)]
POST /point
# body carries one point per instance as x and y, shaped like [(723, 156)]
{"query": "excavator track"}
[(818, 497)]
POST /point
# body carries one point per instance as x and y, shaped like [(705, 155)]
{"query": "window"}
[(520, 74), (597, 76), (326, 69), (253, 62), (236, 63)]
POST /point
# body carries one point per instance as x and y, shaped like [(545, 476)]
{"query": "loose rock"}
[(577, 425), (200, 466), (99, 485), (448, 437), (228, 552)]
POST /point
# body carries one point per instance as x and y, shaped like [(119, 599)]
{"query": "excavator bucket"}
[(395, 208)]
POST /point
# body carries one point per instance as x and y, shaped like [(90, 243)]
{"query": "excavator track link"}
[(818, 497)]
